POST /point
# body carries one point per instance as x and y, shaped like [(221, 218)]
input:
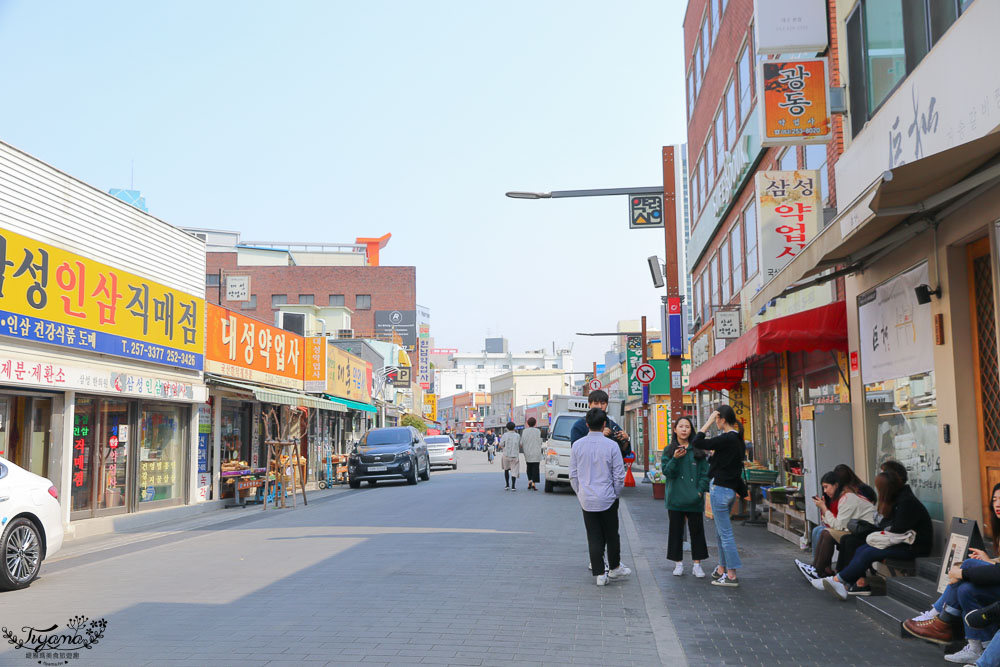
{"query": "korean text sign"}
[(315, 364), (348, 376), (796, 102), (248, 349), (54, 296), (788, 213)]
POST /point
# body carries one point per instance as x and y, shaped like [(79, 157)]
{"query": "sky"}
[(322, 121)]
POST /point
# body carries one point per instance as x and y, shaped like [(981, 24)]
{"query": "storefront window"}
[(901, 424), (84, 433), (112, 453), (161, 462)]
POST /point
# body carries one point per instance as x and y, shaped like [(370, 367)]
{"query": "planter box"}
[(659, 491)]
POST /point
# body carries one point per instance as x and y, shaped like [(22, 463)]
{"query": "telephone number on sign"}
[(158, 353)]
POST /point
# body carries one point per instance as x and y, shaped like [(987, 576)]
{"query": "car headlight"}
[(551, 460)]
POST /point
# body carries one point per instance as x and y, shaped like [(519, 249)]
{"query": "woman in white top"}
[(838, 506)]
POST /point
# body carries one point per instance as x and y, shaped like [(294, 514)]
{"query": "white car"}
[(31, 526)]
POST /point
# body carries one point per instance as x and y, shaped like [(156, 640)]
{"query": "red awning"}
[(823, 328)]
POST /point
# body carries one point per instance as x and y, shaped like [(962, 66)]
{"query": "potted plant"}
[(659, 485)]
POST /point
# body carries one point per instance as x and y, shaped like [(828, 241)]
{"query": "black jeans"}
[(602, 531), (675, 535)]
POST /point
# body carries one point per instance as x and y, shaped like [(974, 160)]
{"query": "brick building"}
[(345, 276)]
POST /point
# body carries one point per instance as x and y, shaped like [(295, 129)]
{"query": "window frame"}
[(310, 299), (209, 282), (745, 55), (342, 304), (279, 300), (756, 238), (736, 248), (251, 304), (357, 302), (725, 271)]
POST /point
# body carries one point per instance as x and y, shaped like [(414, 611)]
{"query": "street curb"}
[(667, 643)]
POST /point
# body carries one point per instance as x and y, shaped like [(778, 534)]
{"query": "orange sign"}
[(247, 349), (315, 364), (796, 102)]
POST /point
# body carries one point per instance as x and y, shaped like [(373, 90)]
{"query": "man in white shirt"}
[(597, 475)]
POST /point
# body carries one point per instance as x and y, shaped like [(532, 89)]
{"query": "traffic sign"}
[(645, 373), (594, 384)]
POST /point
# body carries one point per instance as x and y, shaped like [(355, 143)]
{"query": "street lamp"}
[(600, 192)]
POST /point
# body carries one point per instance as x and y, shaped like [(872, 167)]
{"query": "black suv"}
[(397, 452)]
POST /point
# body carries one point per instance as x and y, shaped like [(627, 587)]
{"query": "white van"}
[(568, 410)]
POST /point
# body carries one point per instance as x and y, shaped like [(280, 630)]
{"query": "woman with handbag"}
[(687, 482), (905, 531), (726, 472), (973, 584), (838, 506)]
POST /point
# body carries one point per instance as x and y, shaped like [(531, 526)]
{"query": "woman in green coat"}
[(687, 482)]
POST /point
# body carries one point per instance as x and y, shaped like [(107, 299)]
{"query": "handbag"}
[(884, 539), (861, 528)]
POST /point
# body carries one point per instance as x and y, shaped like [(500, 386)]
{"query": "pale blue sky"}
[(323, 121)]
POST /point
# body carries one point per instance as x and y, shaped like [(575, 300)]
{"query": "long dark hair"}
[(846, 479), (674, 444), (887, 485), (995, 520), (729, 416), (831, 479)]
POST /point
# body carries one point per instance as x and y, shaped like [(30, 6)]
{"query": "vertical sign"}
[(633, 357), (315, 364), (796, 107), (675, 324), (424, 362), (788, 214)]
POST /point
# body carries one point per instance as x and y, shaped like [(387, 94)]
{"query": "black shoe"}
[(984, 617), (859, 591)]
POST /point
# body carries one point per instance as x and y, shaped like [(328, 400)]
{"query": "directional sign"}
[(645, 373), (594, 384)]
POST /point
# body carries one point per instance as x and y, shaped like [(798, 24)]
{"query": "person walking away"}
[(597, 475), (726, 472), (489, 451), (531, 445), (687, 482), (510, 461)]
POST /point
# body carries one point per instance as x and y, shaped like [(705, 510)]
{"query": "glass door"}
[(112, 455), (39, 435), (4, 416)]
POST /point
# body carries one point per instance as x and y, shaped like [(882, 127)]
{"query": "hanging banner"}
[(247, 349), (796, 106), (896, 335), (50, 295), (788, 214), (633, 357), (314, 378)]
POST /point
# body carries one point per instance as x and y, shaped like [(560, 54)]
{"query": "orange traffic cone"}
[(629, 479)]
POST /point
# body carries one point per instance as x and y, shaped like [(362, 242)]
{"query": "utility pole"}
[(672, 278), (644, 443)]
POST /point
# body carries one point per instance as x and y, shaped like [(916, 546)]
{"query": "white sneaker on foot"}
[(678, 569), (697, 571), (619, 572), (602, 579), (970, 653), (817, 583), (835, 588), (927, 615)]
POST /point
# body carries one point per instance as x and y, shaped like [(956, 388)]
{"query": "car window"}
[(563, 427), (437, 440), (388, 436)]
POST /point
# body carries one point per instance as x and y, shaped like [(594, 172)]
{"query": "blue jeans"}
[(816, 532), (866, 556), (963, 597), (722, 500), (990, 656)]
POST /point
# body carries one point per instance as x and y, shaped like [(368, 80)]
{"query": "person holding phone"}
[(726, 472), (687, 482)]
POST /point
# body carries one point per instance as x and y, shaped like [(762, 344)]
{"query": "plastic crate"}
[(758, 476)]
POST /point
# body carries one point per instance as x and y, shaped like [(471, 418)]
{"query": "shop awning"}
[(278, 396), (351, 405), (823, 328), (899, 205)]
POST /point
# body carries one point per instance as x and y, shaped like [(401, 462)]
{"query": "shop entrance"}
[(25, 431), (987, 379)]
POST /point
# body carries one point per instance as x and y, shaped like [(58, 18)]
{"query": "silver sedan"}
[(441, 450)]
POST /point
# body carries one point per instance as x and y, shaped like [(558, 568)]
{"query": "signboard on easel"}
[(965, 535)]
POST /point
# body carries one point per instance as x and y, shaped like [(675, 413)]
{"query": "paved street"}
[(454, 571)]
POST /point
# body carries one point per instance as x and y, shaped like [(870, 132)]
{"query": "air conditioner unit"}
[(294, 322), (345, 333)]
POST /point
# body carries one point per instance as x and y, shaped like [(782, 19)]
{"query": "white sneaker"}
[(697, 571), (927, 615), (970, 653), (602, 579), (678, 569), (835, 588), (619, 572), (817, 584)]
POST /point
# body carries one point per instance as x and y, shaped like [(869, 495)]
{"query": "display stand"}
[(282, 441)]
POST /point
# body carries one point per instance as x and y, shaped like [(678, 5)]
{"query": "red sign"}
[(674, 305), (594, 384), (645, 373), (855, 364)]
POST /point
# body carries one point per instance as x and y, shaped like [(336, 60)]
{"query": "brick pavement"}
[(454, 571), (774, 618)]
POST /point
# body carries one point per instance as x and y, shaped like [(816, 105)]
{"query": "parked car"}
[(441, 450), (32, 527), (396, 452)]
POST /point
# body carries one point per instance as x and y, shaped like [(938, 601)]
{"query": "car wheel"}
[(372, 482), (321, 484), (454, 466), (354, 483), (21, 546), (413, 477), (549, 486), (426, 474)]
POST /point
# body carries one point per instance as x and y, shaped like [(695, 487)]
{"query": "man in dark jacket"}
[(599, 399)]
